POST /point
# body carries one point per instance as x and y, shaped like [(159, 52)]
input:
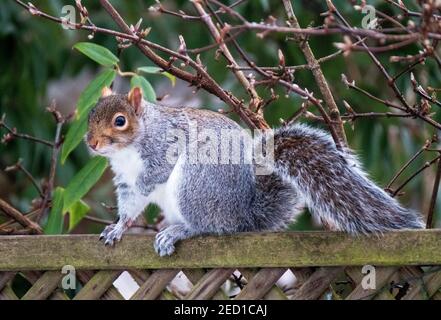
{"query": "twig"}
[(54, 161), (108, 222), (13, 213), (354, 116), (255, 99), (408, 12), (383, 70), (421, 92), (13, 133), (426, 145), (215, 45), (296, 115), (291, 88), (12, 222), (318, 75), (408, 68), (160, 8), (298, 67), (352, 85), (11, 231), (202, 78), (98, 220), (19, 166), (146, 47), (424, 167), (431, 211)]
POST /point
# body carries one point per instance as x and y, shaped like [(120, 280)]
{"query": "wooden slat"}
[(194, 275), (155, 284), (111, 294), (58, 294), (302, 274), (5, 277), (98, 285), (261, 283), (248, 273), (166, 295), (209, 284), (384, 294), (288, 249), (275, 294), (44, 286), (382, 275), (317, 283), (402, 273), (8, 294), (436, 296), (140, 276), (424, 288), (33, 276)]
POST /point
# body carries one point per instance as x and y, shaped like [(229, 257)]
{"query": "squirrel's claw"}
[(112, 234), (164, 243), (165, 240), (107, 230)]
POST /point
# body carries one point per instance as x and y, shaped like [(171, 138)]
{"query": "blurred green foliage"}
[(35, 51)]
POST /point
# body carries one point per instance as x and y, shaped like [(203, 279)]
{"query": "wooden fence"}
[(326, 265)]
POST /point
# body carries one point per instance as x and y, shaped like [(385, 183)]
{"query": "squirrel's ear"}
[(135, 99), (105, 92)]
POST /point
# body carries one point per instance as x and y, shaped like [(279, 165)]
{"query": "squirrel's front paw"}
[(112, 233)]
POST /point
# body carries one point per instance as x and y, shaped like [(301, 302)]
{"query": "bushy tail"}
[(333, 185), (276, 203)]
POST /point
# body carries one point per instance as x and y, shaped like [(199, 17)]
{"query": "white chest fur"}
[(165, 195), (127, 165)]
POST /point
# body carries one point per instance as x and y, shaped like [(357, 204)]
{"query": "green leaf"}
[(149, 69), (92, 93), (157, 70), (73, 137), (87, 100), (55, 221), (146, 87), (84, 180), (171, 77), (97, 53), (77, 212)]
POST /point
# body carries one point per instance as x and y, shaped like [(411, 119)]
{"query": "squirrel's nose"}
[(93, 144)]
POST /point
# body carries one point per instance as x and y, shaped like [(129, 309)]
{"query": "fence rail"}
[(244, 266)]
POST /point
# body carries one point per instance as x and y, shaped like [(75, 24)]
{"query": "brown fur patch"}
[(101, 126)]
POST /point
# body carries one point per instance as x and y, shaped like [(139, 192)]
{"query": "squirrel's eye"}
[(120, 121)]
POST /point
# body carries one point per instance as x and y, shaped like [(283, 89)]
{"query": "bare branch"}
[(13, 213), (318, 75)]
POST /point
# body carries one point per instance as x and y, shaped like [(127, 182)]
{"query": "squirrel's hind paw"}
[(165, 240), (164, 243)]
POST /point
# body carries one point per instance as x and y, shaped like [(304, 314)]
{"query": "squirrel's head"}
[(114, 121)]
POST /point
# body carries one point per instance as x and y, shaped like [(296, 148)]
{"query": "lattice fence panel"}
[(229, 283), (316, 265)]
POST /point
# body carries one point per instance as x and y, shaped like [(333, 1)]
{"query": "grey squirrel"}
[(209, 198)]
